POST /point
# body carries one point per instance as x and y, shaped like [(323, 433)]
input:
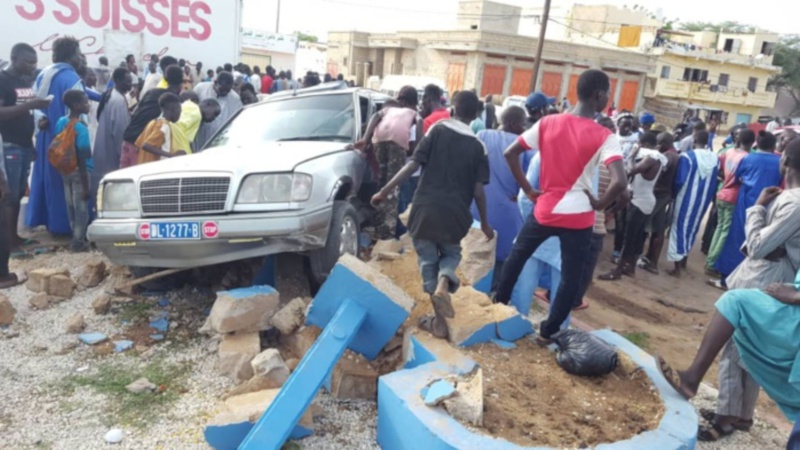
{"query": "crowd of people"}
[(547, 180), (549, 184)]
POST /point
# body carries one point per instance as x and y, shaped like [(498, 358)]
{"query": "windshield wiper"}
[(317, 138)]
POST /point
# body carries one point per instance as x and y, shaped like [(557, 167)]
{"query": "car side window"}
[(364, 107)]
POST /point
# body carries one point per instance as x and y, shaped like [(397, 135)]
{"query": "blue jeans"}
[(406, 195), (18, 167), (436, 261), (77, 208)]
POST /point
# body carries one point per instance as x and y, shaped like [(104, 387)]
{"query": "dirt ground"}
[(665, 315), (530, 401)]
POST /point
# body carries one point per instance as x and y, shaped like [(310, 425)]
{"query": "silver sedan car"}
[(281, 176)]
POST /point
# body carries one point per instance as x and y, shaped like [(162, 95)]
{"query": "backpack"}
[(62, 153)]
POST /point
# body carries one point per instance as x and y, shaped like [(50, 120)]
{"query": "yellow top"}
[(186, 128)]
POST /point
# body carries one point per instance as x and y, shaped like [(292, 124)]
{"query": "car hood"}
[(265, 157)]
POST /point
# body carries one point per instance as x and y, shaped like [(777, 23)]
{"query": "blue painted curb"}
[(404, 421)]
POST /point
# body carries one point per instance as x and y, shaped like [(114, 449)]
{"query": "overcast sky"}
[(320, 16)]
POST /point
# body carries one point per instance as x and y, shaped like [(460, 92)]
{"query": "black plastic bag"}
[(581, 353)]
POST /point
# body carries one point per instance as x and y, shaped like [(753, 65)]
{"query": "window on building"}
[(728, 45), (344, 61), (724, 78), (768, 48), (665, 72), (752, 84), (695, 75), (473, 27)]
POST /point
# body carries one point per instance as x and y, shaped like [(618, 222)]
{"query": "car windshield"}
[(315, 118)]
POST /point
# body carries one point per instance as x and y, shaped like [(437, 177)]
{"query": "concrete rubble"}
[(141, 386), (478, 256), (76, 324), (236, 351), (7, 311), (270, 365), (102, 304), (43, 300), (467, 406), (243, 310), (290, 317), (38, 279), (61, 286), (92, 274)]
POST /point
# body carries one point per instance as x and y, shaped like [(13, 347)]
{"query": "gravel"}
[(35, 412)]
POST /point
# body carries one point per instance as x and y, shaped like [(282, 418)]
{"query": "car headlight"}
[(275, 188), (118, 196)]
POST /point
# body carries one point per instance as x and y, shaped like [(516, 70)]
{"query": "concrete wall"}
[(750, 43), (486, 16)]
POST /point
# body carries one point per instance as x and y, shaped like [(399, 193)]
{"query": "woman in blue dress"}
[(757, 171)]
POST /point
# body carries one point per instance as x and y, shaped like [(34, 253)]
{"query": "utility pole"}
[(278, 18), (540, 44)]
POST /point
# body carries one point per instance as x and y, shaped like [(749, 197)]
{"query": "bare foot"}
[(675, 273), (675, 379)]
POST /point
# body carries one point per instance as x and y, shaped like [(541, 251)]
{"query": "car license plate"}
[(170, 230)]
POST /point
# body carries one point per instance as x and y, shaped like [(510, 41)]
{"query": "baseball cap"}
[(538, 100), (647, 119)]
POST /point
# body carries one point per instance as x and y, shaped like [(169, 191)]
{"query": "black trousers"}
[(5, 245), (635, 228), (575, 246), (590, 262)]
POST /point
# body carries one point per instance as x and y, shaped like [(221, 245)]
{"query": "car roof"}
[(331, 88)]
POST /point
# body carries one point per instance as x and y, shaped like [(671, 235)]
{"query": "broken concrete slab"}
[(235, 353), (42, 301), (102, 304), (123, 345), (438, 391), (7, 311), (467, 406), (61, 286), (478, 257), (92, 338), (228, 428), (269, 364), (405, 216), (141, 386), (243, 310), (92, 274), (301, 341), (478, 320), (76, 324), (38, 279), (353, 378), (290, 317)]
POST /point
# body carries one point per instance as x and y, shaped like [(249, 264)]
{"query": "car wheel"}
[(342, 238)]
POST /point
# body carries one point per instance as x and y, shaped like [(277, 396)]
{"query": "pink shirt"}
[(572, 147), (728, 162), (395, 126)]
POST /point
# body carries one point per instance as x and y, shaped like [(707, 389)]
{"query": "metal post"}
[(540, 44), (278, 18)]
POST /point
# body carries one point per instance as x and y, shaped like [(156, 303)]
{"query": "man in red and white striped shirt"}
[(572, 145)]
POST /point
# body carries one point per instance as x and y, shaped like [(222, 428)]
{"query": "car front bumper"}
[(240, 236)]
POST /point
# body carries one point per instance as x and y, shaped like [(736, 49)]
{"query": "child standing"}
[(455, 169), (155, 142), (76, 184)]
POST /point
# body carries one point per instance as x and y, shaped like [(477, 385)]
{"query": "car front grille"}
[(184, 196)]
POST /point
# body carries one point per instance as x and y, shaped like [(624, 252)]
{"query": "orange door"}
[(551, 84), (572, 91), (455, 77), (613, 90), (521, 82), (494, 77), (630, 92)]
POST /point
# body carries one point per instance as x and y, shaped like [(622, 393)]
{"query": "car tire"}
[(175, 281), (343, 237)]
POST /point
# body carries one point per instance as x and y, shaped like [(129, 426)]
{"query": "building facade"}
[(490, 62), (723, 76)]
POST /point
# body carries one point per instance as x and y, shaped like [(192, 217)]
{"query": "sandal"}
[(649, 267), (614, 275), (711, 416), (543, 341), (672, 377), (426, 323), (717, 284), (713, 432), (10, 281)]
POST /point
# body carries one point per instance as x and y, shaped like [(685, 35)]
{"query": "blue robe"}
[(501, 192), (755, 172), (47, 205), (696, 184)]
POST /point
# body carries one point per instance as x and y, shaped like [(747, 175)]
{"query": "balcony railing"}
[(708, 93)]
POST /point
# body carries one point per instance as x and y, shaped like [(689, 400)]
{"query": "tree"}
[(307, 37), (723, 27), (787, 56)]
